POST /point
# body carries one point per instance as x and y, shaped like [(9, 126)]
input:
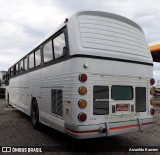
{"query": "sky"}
[(23, 23)]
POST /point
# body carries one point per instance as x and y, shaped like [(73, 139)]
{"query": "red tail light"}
[(152, 81), (82, 117), (152, 111), (83, 77)]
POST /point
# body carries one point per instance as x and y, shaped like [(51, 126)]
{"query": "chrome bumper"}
[(108, 129)]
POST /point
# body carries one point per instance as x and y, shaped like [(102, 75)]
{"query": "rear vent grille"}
[(56, 101), (100, 100), (140, 99), (111, 35)]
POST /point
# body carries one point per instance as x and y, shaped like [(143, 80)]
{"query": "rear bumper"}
[(93, 131)]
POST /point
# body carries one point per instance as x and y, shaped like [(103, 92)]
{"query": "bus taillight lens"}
[(83, 77), (152, 111), (82, 103), (152, 91), (152, 101), (152, 81), (82, 90), (82, 117)]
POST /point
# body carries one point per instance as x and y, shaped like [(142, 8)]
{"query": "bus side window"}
[(37, 57), (31, 60), (59, 44), (17, 68), (48, 51), (21, 66), (11, 72), (25, 64)]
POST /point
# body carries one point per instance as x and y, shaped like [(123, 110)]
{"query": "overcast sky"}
[(23, 23)]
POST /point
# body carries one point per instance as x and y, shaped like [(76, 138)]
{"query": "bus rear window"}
[(122, 92)]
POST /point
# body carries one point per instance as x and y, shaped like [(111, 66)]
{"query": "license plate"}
[(121, 107)]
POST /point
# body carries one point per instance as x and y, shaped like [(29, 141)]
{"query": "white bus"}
[(91, 77)]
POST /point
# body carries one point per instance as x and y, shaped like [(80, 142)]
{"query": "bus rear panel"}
[(118, 69)]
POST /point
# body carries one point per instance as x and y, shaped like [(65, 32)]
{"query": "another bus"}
[(2, 84), (91, 77)]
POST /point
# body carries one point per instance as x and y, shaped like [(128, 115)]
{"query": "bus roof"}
[(73, 19), (98, 13)]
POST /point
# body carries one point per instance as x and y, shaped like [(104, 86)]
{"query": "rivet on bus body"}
[(85, 65)]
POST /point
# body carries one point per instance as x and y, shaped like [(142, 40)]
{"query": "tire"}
[(35, 114)]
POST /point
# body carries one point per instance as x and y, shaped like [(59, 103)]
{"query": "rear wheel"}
[(35, 114)]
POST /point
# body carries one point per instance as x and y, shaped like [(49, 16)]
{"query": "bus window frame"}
[(46, 42), (37, 49), (29, 60), (64, 57), (21, 70), (26, 57), (63, 54)]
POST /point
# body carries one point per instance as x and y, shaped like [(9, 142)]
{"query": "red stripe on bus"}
[(124, 127), (114, 128), (130, 126), (148, 123)]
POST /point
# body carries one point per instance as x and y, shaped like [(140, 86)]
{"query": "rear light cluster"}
[(152, 92), (82, 103)]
